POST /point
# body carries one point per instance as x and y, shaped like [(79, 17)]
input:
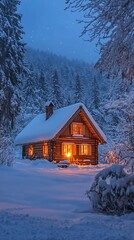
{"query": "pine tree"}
[(31, 92), (95, 94), (11, 61), (43, 90), (56, 96), (78, 89)]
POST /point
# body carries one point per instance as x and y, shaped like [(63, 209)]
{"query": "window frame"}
[(30, 151), (77, 131), (82, 150), (45, 149)]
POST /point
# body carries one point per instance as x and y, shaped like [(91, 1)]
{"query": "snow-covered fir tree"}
[(78, 89), (11, 72), (43, 90), (95, 93), (56, 94), (30, 92), (11, 61)]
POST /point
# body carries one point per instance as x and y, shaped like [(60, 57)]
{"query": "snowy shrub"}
[(113, 191)]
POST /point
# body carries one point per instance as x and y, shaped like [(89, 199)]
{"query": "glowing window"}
[(67, 149), (77, 129), (45, 149), (85, 149), (30, 150)]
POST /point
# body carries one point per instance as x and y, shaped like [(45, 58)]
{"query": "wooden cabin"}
[(66, 133)]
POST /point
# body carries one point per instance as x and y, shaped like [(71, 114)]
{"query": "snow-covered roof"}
[(40, 129)]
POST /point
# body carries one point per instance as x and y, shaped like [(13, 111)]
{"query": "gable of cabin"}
[(74, 136), (71, 129)]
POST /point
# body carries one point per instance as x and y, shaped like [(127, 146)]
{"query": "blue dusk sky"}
[(48, 26)]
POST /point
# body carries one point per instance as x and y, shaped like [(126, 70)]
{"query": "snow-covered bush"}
[(113, 191)]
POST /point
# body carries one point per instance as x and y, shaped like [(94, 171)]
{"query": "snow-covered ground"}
[(40, 201)]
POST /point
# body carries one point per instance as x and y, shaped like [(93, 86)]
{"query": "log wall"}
[(55, 150), (38, 150), (94, 150)]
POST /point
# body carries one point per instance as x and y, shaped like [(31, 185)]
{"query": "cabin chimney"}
[(49, 109)]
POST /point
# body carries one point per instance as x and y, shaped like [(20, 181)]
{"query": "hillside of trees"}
[(65, 82)]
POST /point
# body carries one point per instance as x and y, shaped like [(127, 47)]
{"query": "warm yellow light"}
[(68, 154), (30, 150)]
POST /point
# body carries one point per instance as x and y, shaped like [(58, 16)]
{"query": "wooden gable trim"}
[(91, 126), (88, 122)]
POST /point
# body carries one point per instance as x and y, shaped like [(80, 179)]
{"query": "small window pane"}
[(45, 149), (85, 149), (77, 129), (30, 150)]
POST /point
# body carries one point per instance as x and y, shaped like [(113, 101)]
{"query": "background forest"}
[(30, 77), (65, 82)]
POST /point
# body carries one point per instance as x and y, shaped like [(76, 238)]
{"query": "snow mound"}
[(38, 163)]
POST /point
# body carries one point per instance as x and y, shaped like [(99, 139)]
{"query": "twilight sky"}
[(48, 26)]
